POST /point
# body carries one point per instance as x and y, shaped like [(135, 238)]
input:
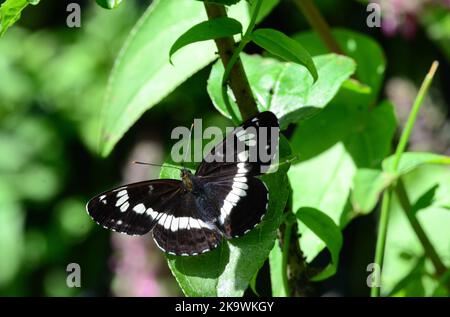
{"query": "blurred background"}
[(52, 81)]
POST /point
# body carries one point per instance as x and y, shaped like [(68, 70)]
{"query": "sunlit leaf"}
[(368, 184), (281, 45), (331, 147), (109, 4), (366, 52), (207, 30), (10, 12), (326, 230), (401, 238), (286, 89), (276, 270), (412, 160)]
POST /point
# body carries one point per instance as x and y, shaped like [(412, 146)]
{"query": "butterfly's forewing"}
[(254, 143), (135, 208), (241, 198), (162, 205)]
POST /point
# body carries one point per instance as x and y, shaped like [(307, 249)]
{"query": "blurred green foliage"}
[(50, 93)]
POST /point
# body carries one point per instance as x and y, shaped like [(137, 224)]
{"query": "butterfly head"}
[(186, 177)]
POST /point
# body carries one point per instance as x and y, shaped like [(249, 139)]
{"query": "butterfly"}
[(223, 199)]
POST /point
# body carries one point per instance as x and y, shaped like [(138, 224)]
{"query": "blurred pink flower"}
[(401, 16)]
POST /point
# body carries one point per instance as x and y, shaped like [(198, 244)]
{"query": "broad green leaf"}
[(401, 239), (366, 52), (322, 183), (371, 140), (329, 147), (228, 270), (10, 12), (368, 184), (281, 45), (142, 75), (327, 231), (109, 4), (286, 89), (412, 160), (276, 270), (411, 285), (207, 30)]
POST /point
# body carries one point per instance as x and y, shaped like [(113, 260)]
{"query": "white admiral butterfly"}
[(222, 198)]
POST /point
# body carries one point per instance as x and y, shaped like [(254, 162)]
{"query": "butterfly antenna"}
[(158, 165), (188, 150)]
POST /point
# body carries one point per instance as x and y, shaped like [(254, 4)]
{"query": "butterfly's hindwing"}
[(182, 231), (242, 202)]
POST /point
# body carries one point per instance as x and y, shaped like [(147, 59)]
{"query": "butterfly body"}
[(191, 216)]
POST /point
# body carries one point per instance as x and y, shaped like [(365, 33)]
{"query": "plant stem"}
[(381, 237), (285, 253), (236, 78), (421, 235), (318, 23), (384, 216), (413, 115)]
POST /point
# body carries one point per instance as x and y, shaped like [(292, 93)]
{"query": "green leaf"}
[(367, 53), (283, 46), (425, 200), (330, 147), (228, 270), (276, 271), (286, 89), (327, 231), (412, 160), (401, 239), (368, 184), (109, 4), (207, 30), (10, 11)]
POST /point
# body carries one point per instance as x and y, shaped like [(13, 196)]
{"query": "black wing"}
[(183, 230), (227, 174), (254, 143), (242, 202), (162, 205), (133, 209)]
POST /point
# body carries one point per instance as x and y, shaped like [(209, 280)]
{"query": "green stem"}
[(285, 254), (384, 216), (413, 115), (381, 237), (430, 252), (318, 23)]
